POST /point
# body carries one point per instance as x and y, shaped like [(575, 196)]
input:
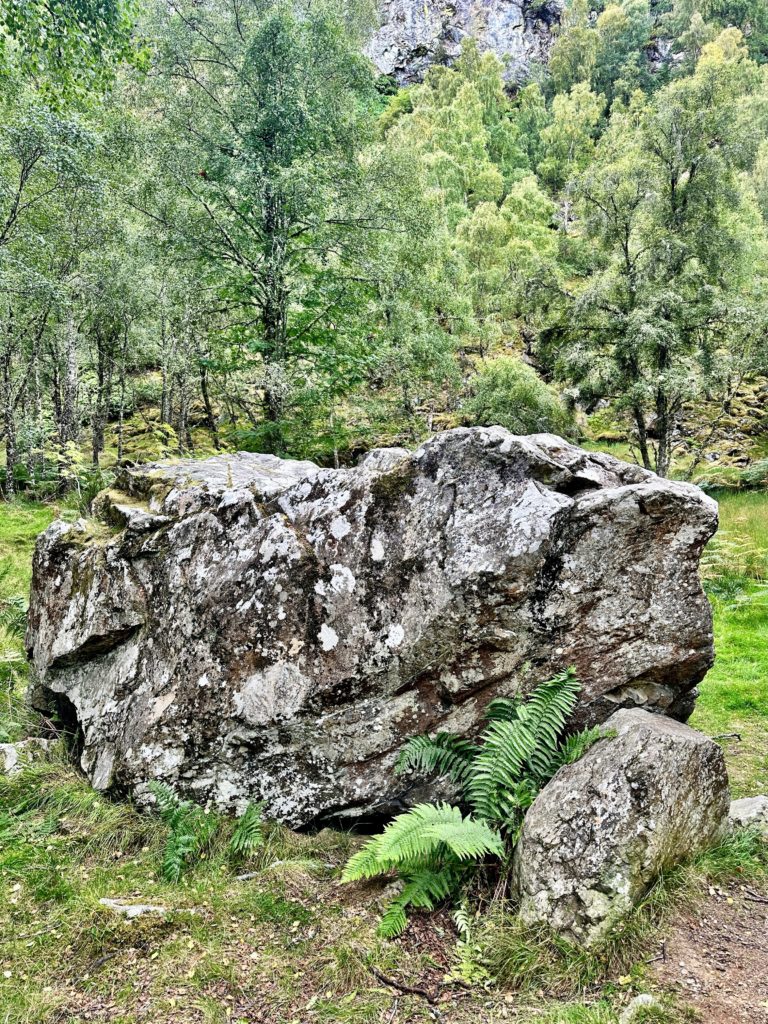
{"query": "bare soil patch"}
[(715, 958)]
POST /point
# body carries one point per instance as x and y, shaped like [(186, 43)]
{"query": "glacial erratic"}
[(250, 628)]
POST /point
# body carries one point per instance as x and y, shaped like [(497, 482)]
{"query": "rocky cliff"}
[(251, 628), (415, 34)]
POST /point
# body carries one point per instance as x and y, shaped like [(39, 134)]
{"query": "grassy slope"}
[(734, 696), (290, 945), (20, 524)]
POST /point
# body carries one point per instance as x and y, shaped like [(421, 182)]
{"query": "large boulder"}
[(252, 628), (415, 34), (649, 796)]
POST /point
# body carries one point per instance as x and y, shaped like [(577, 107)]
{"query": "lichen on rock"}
[(415, 34), (651, 795), (265, 629)]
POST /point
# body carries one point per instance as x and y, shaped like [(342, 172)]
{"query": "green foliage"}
[(432, 847), (70, 47), (429, 847), (518, 752), (248, 836), (191, 831), (510, 393)]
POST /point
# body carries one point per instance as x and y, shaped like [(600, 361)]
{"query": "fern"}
[(166, 800), (190, 830), (575, 746), (248, 836), (424, 890), (433, 847), (503, 709), (426, 831), (443, 754)]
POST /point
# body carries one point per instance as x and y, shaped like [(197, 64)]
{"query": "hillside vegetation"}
[(221, 229)]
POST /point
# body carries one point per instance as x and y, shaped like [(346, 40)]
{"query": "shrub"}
[(510, 393)]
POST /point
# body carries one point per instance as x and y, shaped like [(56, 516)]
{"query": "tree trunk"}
[(275, 316), (104, 372), (9, 420), (642, 437), (209, 414), (121, 407), (68, 427)]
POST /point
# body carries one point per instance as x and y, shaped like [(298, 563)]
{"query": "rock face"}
[(415, 34), (602, 831), (251, 628)]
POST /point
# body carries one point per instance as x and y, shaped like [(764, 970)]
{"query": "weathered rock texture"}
[(415, 34), (750, 812), (247, 627), (604, 829)]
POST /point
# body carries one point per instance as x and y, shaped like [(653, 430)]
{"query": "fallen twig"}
[(410, 990), (728, 736)]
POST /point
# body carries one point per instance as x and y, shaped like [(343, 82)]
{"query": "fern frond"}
[(575, 746), (503, 709), (547, 710), (166, 800), (364, 863), (468, 839), (248, 835), (462, 920), (190, 829), (443, 754), (507, 747), (408, 837), (420, 835), (423, 890)]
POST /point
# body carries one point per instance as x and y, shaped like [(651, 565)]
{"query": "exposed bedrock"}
[(414, 34), (247, 627)]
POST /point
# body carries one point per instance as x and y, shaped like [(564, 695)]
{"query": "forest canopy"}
[(221, 228)]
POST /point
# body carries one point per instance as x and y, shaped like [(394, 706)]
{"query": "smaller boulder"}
[(751, 812), (650, 795), (15, 756)]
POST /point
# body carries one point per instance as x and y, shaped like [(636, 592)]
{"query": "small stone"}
[(632, 1011), (131, 910), (751, 812)]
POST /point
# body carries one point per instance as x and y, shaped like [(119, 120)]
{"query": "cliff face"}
[(415, 34)]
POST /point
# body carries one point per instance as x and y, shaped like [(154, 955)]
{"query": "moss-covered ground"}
[(289, 944)]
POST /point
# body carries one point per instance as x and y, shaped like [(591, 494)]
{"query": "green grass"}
[(20, 523), (734, 696), (292, 938)]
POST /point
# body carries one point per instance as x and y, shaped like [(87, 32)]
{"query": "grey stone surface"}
[(750, 812), (603, 830), (414, 34), (245, 628), (13, 756), (130, 911)]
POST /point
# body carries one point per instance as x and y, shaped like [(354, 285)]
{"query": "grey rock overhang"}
[(246, 627), (415, 34)]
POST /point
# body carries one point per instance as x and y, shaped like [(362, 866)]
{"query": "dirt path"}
[(716, 958)]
